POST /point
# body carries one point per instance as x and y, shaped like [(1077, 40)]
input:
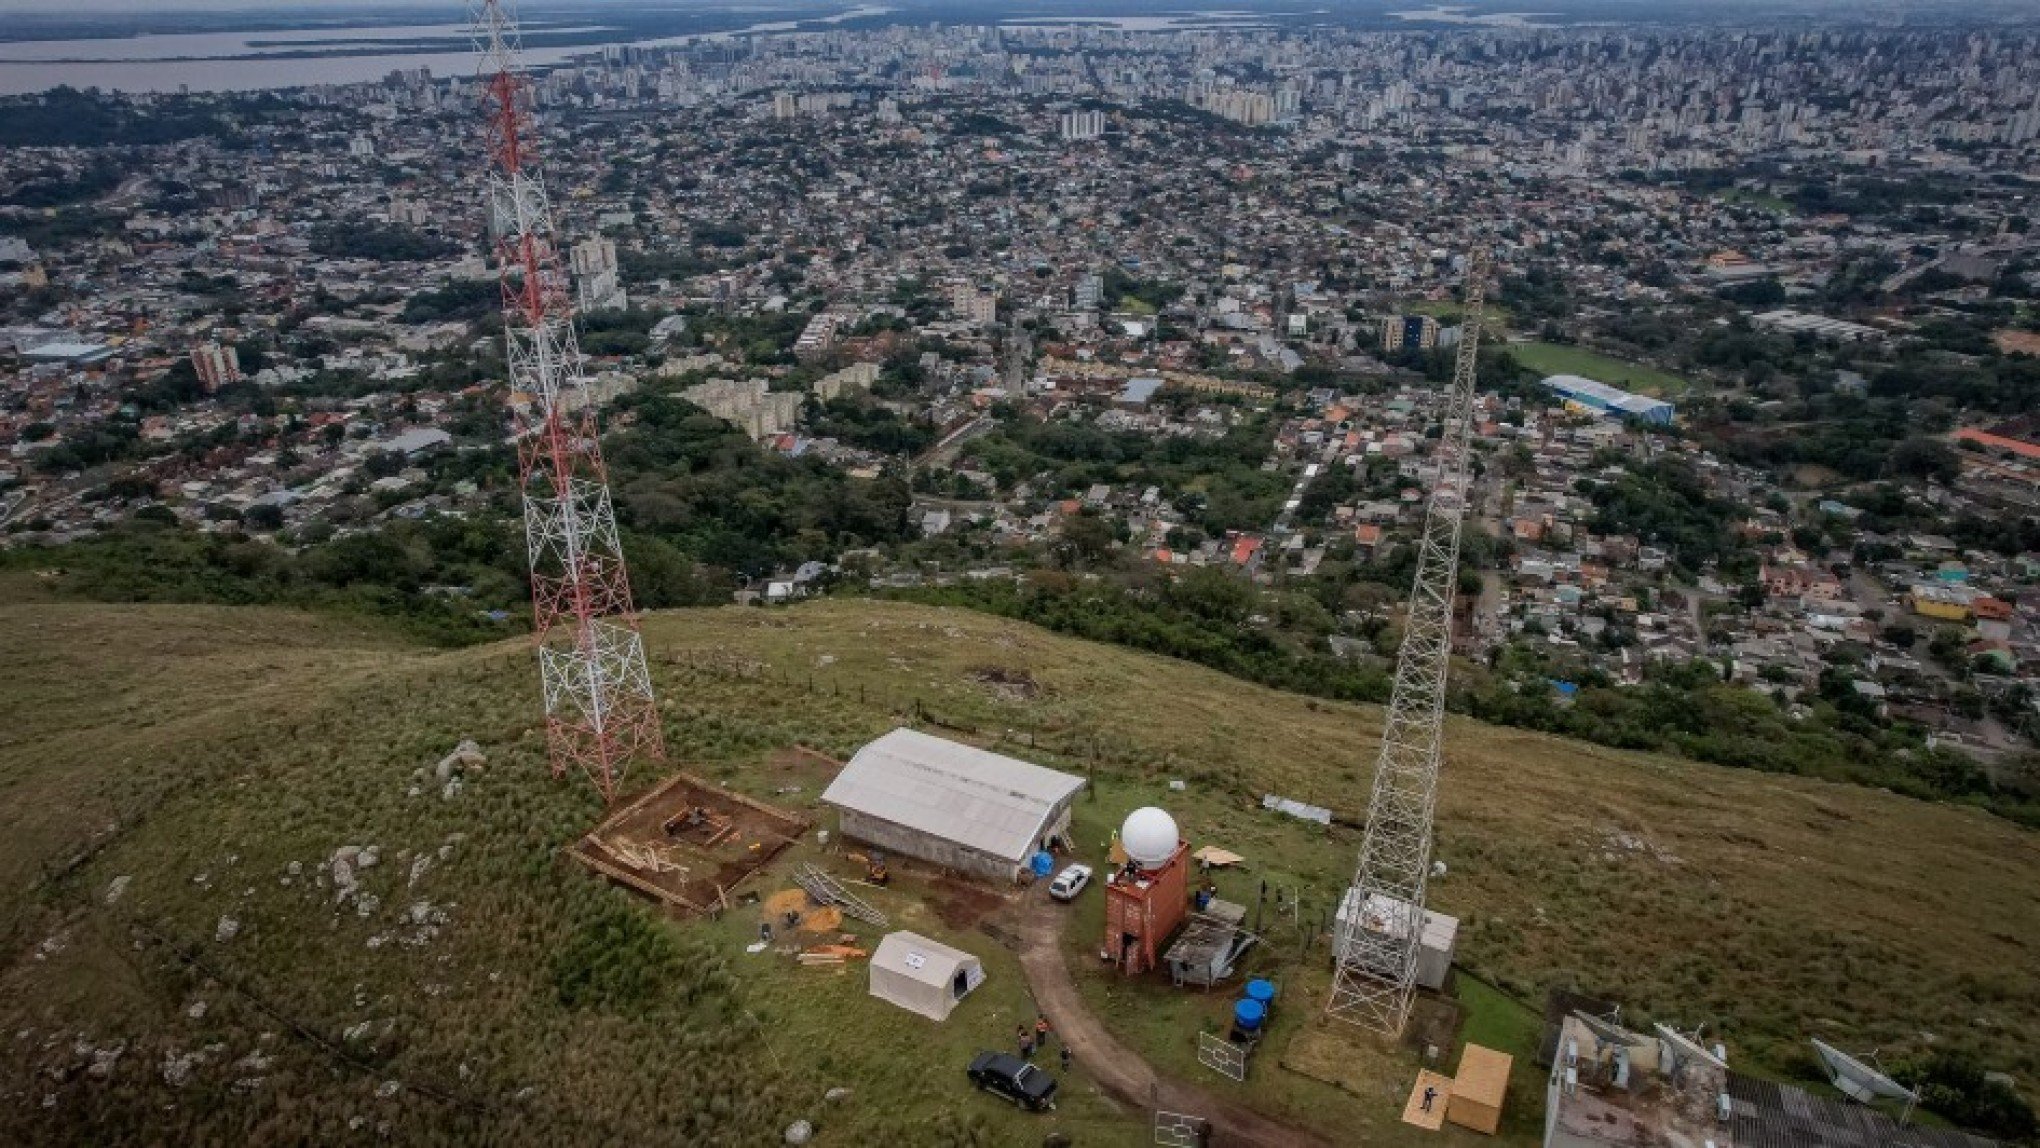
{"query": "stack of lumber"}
[(649, 858), (823, 956)]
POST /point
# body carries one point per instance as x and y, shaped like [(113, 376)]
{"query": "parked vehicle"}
[(1015, 1079), (1070, 882)]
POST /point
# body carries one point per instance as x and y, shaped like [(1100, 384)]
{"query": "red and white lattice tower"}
[(599, 711)]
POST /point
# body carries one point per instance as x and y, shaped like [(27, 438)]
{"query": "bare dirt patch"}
[(961, 905), (1434, 1023), (1007, 685), (2012, 341), (793, 911)]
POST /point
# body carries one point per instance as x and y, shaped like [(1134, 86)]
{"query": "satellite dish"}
[(1149, 836), (1685, 1049), (1858, 1080)]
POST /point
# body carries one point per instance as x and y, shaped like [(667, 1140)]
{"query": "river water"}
[(254, 61)]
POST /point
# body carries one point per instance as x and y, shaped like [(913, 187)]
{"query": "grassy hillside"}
[(485, 989)]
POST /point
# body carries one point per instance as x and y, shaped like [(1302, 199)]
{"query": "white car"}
[(1070, 882)]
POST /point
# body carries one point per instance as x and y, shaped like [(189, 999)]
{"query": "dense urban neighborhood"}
[(1025, 316)]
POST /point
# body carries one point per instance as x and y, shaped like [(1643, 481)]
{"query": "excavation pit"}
[(689, 843)]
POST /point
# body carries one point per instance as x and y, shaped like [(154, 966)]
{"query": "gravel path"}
[(1116, 1068)]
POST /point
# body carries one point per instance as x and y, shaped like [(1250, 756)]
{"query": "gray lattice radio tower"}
[(1380, 927)]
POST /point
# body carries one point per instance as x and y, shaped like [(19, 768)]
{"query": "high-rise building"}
[(785, 106), (973, 305), (1090, 289), (1083, 125), (597, 285), (217, 366), (1418, 331), (2023, 126), (413, 212), (1237, 104)]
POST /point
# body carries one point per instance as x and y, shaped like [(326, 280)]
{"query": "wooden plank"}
[(624, 876), (1413, 1110)]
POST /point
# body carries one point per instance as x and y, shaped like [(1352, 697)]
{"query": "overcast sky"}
[(146, 6), (455, 9)]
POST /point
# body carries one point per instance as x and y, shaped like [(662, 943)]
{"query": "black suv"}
[(1014, 1079)]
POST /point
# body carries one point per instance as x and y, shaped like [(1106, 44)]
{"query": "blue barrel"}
[(1247, 1015), (1043, 863), (1261, 991)]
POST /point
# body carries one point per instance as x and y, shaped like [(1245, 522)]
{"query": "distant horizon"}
[(74, 8)]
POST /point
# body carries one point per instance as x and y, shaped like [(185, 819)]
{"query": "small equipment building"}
[(1147, 897), (1210, 945), (953, 805), (1386, 914), (1478, 1090), (923, 976)]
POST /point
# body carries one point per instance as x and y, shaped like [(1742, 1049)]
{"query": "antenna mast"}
[(599, 711), (1380, 928)]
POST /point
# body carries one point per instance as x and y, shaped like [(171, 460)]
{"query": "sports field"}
[(1560, 359)]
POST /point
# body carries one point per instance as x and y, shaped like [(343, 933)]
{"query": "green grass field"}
[(493, 991), (1495, 315), (1754, 199), (1559, 359)]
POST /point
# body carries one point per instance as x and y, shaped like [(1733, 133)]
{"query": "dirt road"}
[(1117, 1070)]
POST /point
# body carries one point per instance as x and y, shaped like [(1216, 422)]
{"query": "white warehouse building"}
[(950, 804)]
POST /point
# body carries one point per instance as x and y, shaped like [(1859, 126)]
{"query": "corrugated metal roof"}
[(986, 801)]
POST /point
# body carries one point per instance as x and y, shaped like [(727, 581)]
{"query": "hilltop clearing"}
[(189, 960)]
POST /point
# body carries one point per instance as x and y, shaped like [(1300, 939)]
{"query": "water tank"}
[(1043, 864), (1149, 836), (1247, 1015), (1261, 991)]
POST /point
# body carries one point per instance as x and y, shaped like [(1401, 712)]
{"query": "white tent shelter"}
[(923, 976)]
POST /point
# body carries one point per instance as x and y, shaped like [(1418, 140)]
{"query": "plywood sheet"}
[(1413, 1111)]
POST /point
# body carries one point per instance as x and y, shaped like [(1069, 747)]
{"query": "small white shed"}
[(923, 976), (1437, 938)]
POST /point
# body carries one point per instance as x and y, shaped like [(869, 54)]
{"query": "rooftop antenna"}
[(1375, 972), (599, 711)]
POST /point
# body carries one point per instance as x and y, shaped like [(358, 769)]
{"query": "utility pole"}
[(1376, 947), (599, 710)]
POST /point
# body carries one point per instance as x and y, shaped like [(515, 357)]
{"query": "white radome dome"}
[(1149, 836)]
